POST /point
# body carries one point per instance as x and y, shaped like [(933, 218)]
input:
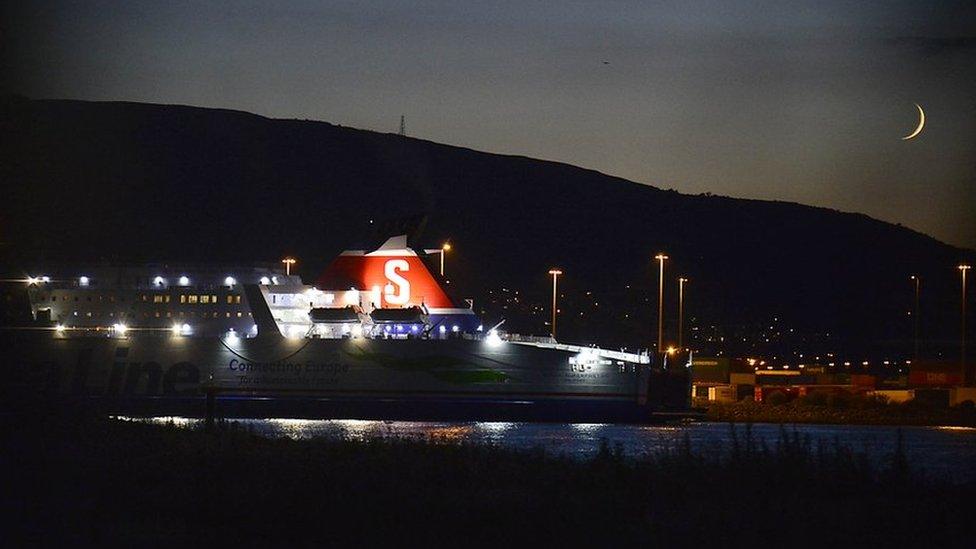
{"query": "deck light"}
[(265, 281), (184, 281), (83, 281), (229, 281), (120, 328)]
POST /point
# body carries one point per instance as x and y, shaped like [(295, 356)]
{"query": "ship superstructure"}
[(198, 300)]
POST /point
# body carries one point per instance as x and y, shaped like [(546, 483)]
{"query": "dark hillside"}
[(139, 181)]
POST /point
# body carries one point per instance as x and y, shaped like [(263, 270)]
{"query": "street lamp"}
[(681, 311), (554, 272), (288, 261), (962, 331), (445, 247), (918, 281), (660, 303)]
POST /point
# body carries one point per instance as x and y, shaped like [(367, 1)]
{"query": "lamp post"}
[(681, 312), (288, 261), (660, 303), (554, 272), (962, 323), (445, 247), (918, 281)]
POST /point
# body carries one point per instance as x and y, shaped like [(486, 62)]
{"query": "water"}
[(945, 452)]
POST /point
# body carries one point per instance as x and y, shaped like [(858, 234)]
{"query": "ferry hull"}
[(345, 378)]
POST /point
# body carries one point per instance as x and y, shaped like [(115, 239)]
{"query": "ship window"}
[(111, 299), (192, 299), (228, 314), (169, 314), (215, 314), (88, 314), (157, 299), (237, 299), (157, 314), (145, 297), (205, 299), (182, 298), (213, 299), (238, 314), (230, 298), (167, 298)]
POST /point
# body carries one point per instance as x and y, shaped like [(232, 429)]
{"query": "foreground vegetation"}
[(841, 409), (79, 478)]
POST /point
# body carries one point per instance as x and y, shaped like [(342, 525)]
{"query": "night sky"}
[(785, 100)]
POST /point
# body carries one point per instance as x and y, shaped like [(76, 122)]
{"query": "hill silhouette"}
[(130, 181)]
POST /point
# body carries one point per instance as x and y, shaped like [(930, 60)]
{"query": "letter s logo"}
[(400, 294)]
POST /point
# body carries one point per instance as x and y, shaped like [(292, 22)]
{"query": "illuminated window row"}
[(207, 298), (160, 314)]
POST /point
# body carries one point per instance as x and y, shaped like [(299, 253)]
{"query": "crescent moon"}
[(921, 123)]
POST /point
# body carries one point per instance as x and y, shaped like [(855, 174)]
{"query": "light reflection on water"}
[(942, 451)]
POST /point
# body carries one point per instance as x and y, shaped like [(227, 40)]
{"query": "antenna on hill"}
[(403, 126)]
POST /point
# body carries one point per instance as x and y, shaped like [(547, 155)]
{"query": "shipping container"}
[(959, 395), (864, 380), (744, 391), (923, 378), (933, 397), (794, 379), (762, 392), (896, 396), (742, 379), (721, 393)]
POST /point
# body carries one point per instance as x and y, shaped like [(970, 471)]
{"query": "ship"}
[(376, 336)]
